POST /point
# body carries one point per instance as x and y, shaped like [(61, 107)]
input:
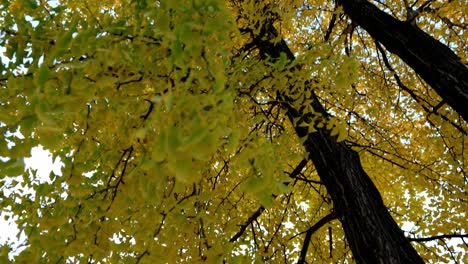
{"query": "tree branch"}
[(440, 237), (249, 221), (294, 174), (326, 219)]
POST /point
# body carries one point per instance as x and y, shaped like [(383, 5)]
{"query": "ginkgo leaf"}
[(183, 172), (42, 75), (253, 185), (266, 200), (189, 131), (12, 167), (341, 136), (334, 131)]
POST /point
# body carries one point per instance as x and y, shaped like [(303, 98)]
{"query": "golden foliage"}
[(166, 118)]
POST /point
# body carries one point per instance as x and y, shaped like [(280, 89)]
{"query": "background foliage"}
[(174, 144)]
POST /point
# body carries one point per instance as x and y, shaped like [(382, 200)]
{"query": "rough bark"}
[(433, 61), (372, 233)]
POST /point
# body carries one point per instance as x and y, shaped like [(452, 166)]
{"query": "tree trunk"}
[(373, 235), (428, 57)]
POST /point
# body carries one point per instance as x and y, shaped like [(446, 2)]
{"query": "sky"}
[(42, 161)]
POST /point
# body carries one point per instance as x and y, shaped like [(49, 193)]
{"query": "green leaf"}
[(253, 184), (282, 188), (195, 137), (206, 147), (42, 75), (266, 199), (31, 4), (182, 168), (12, 167)]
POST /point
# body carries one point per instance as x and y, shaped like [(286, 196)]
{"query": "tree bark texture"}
[(437, 64), (372, 233)]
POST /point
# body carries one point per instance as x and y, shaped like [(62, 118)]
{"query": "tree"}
[(373, 235), (439, 66), (229, 131)]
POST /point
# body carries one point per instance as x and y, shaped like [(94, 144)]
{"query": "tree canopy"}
[(236, 131)]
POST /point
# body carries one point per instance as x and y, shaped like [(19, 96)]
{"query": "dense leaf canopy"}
[(170, 120)]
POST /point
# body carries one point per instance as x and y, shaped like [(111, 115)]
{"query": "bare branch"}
[(440, 237), (326, 219), (249, 221)]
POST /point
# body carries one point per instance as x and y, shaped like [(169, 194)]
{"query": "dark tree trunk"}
[(373, 235), (428, 57)]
